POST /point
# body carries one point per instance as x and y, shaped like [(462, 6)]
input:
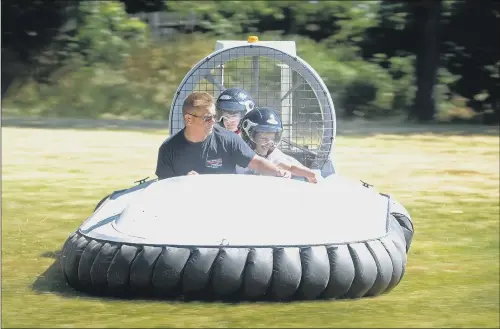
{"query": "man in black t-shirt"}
[(202, 147)]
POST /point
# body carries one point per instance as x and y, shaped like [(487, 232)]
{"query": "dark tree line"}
[(462, 37), (459, 35)]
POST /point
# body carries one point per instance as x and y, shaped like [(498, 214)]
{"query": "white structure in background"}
[(162, 23)]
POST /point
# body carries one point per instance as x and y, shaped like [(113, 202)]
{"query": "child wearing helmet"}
[(231, 105), (261, 129)]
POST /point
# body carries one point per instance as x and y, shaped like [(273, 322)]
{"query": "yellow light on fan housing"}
[(253, 38)]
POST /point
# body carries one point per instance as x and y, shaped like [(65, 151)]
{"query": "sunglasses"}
[(206, 118)]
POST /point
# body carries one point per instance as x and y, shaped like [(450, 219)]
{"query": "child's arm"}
[(300, 171)]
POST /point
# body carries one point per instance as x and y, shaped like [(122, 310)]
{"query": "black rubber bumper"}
[(350, 270)]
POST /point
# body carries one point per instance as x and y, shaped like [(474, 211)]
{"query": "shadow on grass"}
[(360, 128), (52, 281), (51, 254)]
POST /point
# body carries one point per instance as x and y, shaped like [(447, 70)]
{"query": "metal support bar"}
[(210, 78), (286, 100), (255, 75), (297, 85), (220, 71), (299, 147)]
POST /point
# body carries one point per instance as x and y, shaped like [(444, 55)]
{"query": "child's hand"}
[(313, 178)]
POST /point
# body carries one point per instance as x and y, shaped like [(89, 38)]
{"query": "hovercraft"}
[(339, 238)]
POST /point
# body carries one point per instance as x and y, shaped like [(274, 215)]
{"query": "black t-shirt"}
[(218, 154)]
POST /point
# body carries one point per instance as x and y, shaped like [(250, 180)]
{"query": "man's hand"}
[(192, 172)]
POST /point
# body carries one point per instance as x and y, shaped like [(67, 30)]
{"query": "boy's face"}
[(264, 142), (231, 120)]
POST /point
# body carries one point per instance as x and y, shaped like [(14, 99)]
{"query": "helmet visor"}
[(232, 117)]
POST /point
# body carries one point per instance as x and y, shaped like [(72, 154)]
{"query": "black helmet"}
[(235, 101), (261, 120)]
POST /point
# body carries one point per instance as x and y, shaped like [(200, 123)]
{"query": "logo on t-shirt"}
[(214, 163)]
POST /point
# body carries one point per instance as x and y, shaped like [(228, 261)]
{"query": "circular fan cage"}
[(277, 79)]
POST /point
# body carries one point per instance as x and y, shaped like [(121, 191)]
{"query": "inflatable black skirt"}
[(346, 270)]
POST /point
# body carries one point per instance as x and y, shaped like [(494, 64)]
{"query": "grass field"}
[(52, 179)]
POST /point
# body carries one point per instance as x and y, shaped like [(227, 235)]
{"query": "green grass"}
[(52, 179)]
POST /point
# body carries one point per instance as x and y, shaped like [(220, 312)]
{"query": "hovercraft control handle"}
[(141, 181)]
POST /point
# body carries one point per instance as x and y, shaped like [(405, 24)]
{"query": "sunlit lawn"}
[(52, 179)]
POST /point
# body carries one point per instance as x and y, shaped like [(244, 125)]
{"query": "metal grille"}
[(274, 79)]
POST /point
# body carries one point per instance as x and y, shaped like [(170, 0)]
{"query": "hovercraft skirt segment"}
[(344, 270)]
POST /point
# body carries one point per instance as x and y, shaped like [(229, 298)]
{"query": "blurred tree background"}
[(423, 60)]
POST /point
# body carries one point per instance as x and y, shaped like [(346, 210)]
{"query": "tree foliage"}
[(376, 57), (105, 33)]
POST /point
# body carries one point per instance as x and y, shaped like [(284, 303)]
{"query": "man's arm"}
[(240, 151), (300, 171), (265, 167)]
